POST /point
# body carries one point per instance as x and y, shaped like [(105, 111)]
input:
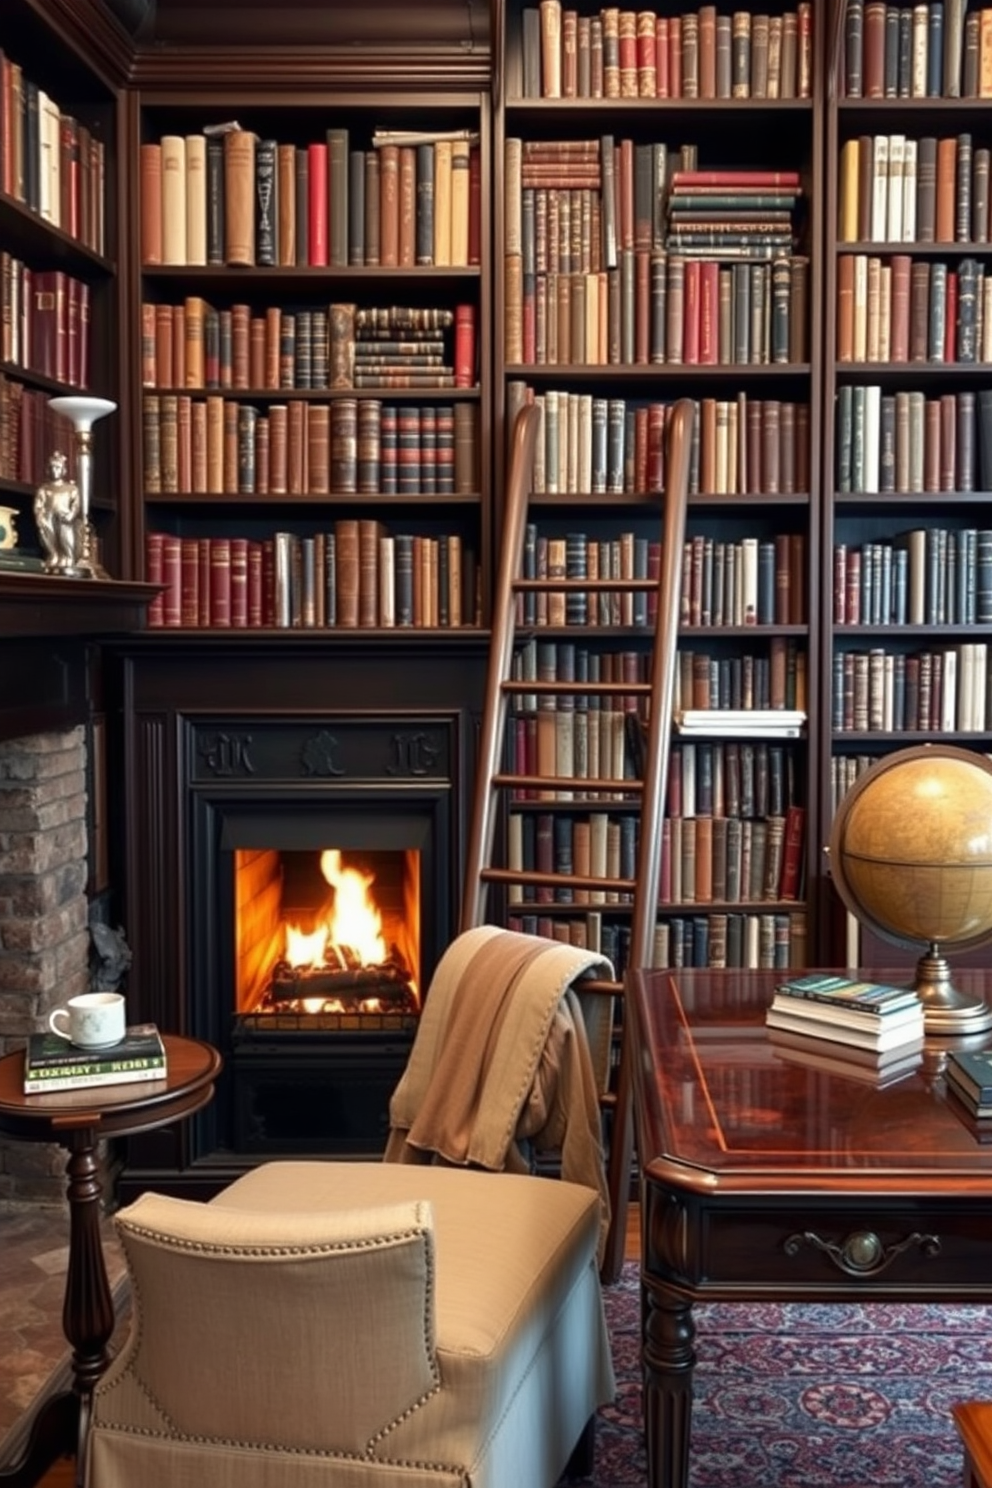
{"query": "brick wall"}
[(44, 935)]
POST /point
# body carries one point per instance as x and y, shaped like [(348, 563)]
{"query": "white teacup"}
[(95, 1020)]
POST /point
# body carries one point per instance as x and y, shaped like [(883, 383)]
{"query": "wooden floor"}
[(62, 1475)]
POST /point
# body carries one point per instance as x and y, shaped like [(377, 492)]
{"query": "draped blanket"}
[(502, 1057)]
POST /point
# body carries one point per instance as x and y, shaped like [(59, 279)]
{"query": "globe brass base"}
[(946, 1010)]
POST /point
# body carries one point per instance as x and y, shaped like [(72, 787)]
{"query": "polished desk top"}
[(721, 1108)]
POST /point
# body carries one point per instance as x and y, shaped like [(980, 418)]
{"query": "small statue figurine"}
[(112, 956), (57, 511)]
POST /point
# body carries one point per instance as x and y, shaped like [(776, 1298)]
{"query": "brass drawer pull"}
[(862, 1252)]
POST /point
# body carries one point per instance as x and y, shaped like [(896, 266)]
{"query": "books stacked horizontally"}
[(52, 1064), (969, 1077), (846, 1011), (733, 214), (877, 1068)]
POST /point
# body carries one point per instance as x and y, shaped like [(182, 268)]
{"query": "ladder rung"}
[(616, 789), (531, 684), (557, 880), (541, 586)]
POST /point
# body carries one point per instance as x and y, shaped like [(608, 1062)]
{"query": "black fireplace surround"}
[(207, 783)]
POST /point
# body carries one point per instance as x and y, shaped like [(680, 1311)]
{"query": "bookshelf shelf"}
[(909, 225)]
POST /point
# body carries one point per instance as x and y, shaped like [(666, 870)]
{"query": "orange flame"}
[(354, 921)]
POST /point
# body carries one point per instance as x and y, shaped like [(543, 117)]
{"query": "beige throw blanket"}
[(502, 1054)]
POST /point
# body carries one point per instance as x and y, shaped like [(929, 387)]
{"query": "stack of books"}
[(53, 1064), (847, 1011), (969, 1077)]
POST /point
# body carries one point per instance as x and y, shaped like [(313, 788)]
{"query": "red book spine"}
[(153, 574), (190, 581), (204, 620), (268, 582), (709, 312), (656, 447), (220, 582), (792, 853), (465, 346), (239, 582), (661, 56), (785, 179), (256, 591), (690, 314), (317, 205), (675, 56), (172, 578)]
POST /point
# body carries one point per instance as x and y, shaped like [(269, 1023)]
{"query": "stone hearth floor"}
[(34, 1249)]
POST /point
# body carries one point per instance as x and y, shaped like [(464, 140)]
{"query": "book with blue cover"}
[(854, 994)]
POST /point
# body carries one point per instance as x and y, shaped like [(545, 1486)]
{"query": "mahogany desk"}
[(78, 1120), (766, 1178)]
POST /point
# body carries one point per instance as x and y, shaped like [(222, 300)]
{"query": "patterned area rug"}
[(808, 1395)]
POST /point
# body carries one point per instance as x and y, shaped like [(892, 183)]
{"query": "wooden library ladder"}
[(494, 783)]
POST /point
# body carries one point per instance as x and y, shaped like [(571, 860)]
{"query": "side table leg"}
[(669, 1359), (88, 1313)]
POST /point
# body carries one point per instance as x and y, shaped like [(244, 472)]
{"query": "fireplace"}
[(244, 767), (314, 1014)]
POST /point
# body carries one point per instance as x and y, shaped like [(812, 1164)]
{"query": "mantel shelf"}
[(34, 604)]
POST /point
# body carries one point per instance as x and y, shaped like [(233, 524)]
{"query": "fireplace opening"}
[(327, 939)]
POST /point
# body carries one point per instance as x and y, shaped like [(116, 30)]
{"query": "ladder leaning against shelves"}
[(498, 786)]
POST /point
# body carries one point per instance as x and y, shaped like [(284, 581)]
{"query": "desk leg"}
[(88, 1313), (669, 1359)]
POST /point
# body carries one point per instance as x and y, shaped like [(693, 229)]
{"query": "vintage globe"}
[(911, 855)]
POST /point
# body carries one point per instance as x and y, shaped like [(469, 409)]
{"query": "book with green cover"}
[(970, 1070), (848, 992), (47, 1053)]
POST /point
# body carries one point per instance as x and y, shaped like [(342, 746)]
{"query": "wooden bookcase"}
[(222, 493), (59, 82), (627, 367), (905, 475)]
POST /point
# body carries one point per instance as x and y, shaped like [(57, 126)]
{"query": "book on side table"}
[(844, 1010), (969, 1075), (52, 1063)]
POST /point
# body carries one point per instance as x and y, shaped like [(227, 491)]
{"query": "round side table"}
[(78, 1120)]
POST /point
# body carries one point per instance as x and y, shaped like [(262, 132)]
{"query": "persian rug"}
[(807, 1395)]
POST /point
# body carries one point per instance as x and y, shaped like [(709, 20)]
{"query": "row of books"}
[(52, 1064), (355, 575), (765, 940), (731, 777), (846, 1010), (705, 860), (49, 161), (230, 197), (906, 310), (908, 442), (897, 189), (616, 446), (29, 431), (591, 931), (664, 308), (927, 576), (941, 691), (641, 54), (938, 49), (212, 446), (754, 581), (576, 556), (45, 322), (775, 679)]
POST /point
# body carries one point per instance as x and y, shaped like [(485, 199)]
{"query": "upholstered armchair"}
[(357, 1325)]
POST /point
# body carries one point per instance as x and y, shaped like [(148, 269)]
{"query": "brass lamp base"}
[(946, 1010)]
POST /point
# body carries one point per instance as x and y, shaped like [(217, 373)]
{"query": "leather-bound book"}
[(919, 310), (947, 161), (184, 439), (266, 203), (239, 582), (173, 199), (279, 449), (441, 247), (551, 60), (460, 182), (341, 349), (343, 446), (318, 446), (373, 229), (240, 347), (230, 446), (369, 533), (356, 208), (257, 341), (198, 442), (286, 205), (169, 441), (153, 575), (302, 193), (196, 199), (152, 443), (150, 175), (926, 190), (215, 201), (220, 583), (337, 196), (194, 369), (172, 566), (262, 455), (247, 421), (409, 205), (347, 571), (389, 205), (239, 197)]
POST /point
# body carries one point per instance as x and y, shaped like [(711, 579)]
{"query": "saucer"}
[(97, 1048)]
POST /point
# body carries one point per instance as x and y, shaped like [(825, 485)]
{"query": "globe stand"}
[(946, 1010), (911, 858)]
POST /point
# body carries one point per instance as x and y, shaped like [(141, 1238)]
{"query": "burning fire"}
[(353, 923)]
